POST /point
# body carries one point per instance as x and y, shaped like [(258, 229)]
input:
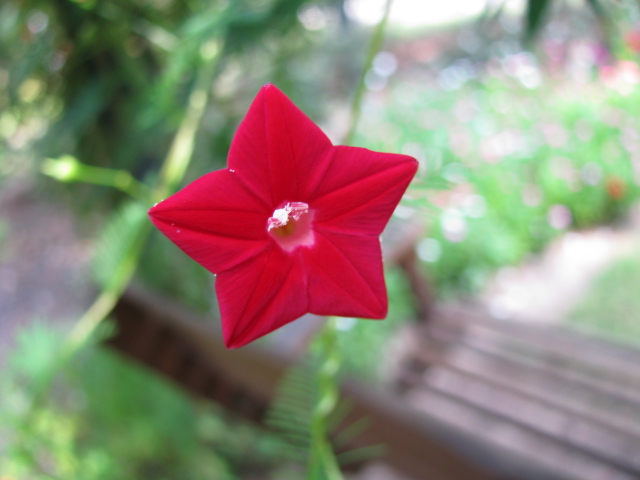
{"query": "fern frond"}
[(291, 411), (310, 420), (360, 455)]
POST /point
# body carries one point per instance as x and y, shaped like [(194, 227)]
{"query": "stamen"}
[(282, 215), (297, 209)]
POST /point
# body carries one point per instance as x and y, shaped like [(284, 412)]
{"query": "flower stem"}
[(374, 48), (322, 460), (69, 169), (181, 150)]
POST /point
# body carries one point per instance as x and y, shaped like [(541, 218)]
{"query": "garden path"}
[(43, 263), (548, 286)]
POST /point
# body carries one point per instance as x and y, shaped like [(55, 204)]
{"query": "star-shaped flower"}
[(292, 225)]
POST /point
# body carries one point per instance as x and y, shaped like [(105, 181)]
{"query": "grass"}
[(611, 307)]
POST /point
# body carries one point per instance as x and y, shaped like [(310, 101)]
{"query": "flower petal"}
[(260, 295), (345, 276), (278, 157), (215, 221), (360, 190), (278, 151)]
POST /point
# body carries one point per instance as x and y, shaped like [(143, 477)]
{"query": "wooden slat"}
[(620, 360), (623, 385), (579, 432), (583, 396), (553, 458), (502, 380)]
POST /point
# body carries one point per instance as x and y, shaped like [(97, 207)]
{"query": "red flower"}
[(292, 225)]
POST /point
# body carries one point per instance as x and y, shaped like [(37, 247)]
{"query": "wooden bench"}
[(561, 400)]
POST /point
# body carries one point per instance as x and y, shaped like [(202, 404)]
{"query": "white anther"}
[(282, 215)]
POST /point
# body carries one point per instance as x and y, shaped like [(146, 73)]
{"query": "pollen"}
[(281, 216)]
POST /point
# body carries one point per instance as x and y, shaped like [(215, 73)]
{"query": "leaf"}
[(34, 354), (290, 417), (290, 414)]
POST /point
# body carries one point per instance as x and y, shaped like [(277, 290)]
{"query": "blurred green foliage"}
[(611, 306), (117, 69), (107, 418), (107, 82), (514, 149), (508, 165)]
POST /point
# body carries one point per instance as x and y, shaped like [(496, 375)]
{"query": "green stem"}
[(109, 296), (181, 149), (374, 48), (322, 460), (69, 169)]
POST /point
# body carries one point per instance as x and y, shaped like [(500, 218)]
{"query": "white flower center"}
[(281, 216)]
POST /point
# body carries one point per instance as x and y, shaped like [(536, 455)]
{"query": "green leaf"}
[(290, 414)]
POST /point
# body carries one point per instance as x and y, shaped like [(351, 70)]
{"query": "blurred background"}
[(523, 116)]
